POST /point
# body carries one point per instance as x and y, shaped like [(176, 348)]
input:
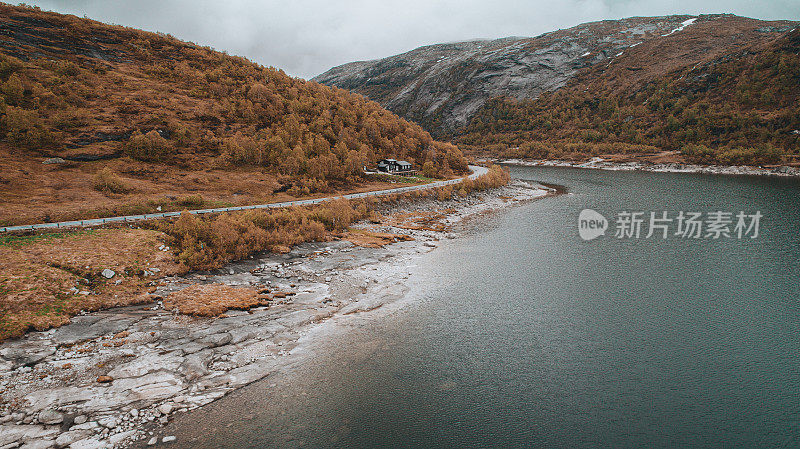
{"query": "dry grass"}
[(107, 181), (419, 220), (41, 276), (210, 242), (214, 299), (370, 239)]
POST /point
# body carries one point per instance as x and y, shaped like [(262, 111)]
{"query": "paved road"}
[(476, 172)]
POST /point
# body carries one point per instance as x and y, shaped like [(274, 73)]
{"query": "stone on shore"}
[(87, 443), (88, 327), (67, 438), (216, 340), (166, 408), (108, 273), (146, 364), (50, 416), (28, 353), (38, 444), (10, 434), (119, 437), (109, 423)]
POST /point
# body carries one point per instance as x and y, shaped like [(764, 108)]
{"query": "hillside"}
[(133, 121), (721, 88)]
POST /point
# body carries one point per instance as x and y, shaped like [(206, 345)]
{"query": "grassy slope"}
[(169, 119), (732, 104)]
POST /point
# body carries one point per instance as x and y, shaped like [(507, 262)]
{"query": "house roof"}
[(404, 163)]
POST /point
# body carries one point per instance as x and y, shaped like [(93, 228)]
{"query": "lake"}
[(525, 335)]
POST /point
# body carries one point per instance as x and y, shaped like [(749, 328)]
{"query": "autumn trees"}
[(182, 103), (738, 110)]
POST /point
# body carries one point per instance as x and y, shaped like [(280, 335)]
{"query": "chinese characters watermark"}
[(664, 224)]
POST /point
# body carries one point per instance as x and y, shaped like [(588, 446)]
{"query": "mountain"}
[(566, 88), (132, 121)]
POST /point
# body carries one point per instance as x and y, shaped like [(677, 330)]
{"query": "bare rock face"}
[(442, 86), (447, 83)]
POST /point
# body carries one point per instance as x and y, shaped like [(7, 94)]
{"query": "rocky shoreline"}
[(601, 164), (114, 377)]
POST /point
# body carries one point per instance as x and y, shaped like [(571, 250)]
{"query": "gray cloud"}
[(307, 37)]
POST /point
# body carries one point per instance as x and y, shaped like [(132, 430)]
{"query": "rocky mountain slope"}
[(731, 106), (443, 86)]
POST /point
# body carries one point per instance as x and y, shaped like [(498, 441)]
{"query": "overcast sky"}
[(307, 37)]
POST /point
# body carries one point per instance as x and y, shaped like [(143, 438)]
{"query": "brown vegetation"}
[(109, 182), (214, 299), (42, 277), (210, 242), (371, 239), (173, 117)]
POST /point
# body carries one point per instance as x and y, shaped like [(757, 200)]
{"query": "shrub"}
[(241, 149), (699, 153), (71, 118), (67, 68), (107, 181), (210, 242), (9, 65), (26, 129), (192, 201), (429, 169), (764, 154), (13, 90), (150, 147)]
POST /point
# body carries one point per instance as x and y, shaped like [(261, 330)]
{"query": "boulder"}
[(38, 444), (10, 433), (145, 364), (119, 437), (108, 273), (87, 443), (109, 422), (150, 387), (196, 365), (83, 328), (27, 353), (67, 438), (216, 340), (50, 416)]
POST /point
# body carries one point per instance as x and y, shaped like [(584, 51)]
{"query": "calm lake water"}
[(528, 336)]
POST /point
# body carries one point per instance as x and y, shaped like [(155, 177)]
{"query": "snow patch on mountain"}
[(684, 24)]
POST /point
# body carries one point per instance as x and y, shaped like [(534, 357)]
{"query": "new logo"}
[(591, 224)]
